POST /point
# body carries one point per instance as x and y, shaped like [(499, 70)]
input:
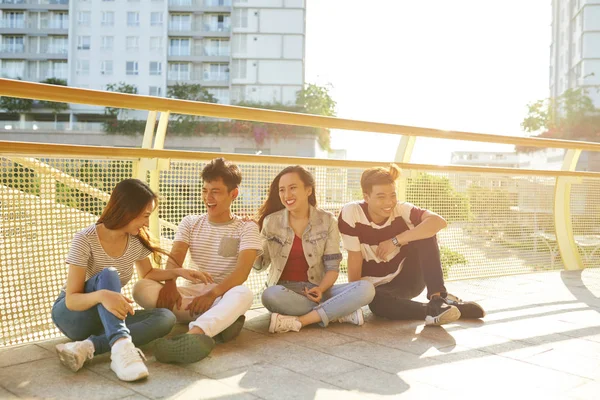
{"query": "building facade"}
[(241, 51), (575, 48)]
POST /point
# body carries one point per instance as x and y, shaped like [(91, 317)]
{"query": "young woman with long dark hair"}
[(90, 308)]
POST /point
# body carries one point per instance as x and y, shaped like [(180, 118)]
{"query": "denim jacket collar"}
[(314, 219)]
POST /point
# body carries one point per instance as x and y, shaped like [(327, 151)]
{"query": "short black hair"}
[(226, 170)]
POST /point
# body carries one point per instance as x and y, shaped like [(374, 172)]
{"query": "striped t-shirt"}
[(360, 233), (86, 251), (214, 247)]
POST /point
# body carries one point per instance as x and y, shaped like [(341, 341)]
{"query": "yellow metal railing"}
[(501, 220)]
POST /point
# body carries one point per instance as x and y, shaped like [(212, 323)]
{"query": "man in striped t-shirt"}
[(223, 248), (394, 246)]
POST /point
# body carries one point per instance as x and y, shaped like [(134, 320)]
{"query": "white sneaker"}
[(356, 318), (284, 323), (128, 363), (74, 354)]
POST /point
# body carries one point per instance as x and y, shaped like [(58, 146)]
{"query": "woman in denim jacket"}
[(301, 243)]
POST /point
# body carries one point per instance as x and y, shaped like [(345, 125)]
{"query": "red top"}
[(296, 267)]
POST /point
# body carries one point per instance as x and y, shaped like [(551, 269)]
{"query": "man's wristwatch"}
[(395, 242)]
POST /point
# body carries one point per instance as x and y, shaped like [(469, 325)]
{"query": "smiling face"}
[(381, 202), (218, 199), (293, 193), (142, 220)]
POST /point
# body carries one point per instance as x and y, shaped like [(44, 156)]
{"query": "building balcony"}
[(200, 6), (12, 48), (34, 4), (12, 23), (217, 52), (193, 55), (217, 28)]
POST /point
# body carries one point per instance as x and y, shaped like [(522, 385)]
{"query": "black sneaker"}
[(184, 349), (439, 312), (468, 309), (232, 331)]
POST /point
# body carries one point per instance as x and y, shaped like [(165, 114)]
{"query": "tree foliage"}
[(571, 116)]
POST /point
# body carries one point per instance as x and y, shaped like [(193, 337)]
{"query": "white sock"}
[(120, 344)]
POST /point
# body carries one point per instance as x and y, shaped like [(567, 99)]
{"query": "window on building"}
[(156, 43), (108, 18), (155, 68), (133, 18), (82, 67), (156, 19), (84, 18), (14, 20), (240, 18), (180, 22), (179, 71), (155, 91), (179, 47), (131, 68), (84, 42), (108, 42), (106, 67), (240, 44), (132, 43), (239, 69)]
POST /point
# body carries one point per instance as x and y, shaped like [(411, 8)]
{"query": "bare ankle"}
[(196, 331)]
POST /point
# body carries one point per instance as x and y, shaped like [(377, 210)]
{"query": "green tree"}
[(315, 99), (437, 194), (571, 116), (191, 92), (55, 106)]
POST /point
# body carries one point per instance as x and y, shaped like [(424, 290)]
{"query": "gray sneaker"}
[(183, 349)]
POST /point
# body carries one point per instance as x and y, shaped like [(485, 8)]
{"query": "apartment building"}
[(245, 50), (575, 48)]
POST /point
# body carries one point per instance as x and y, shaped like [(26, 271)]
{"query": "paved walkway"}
[(541, 339)]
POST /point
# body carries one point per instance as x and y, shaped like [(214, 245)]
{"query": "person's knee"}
[(109, 278), (164, 321), (270, 297), (142, 293), (244, 295), (367, 291)]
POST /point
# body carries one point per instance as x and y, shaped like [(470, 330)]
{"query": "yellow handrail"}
[(40, 91), (57, 150)]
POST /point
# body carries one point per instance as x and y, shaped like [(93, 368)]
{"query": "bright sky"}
[(469, 65)]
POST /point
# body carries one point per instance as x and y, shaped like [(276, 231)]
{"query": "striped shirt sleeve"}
[(184, 231), (80, 250), (144, 252), (411, 214), (250, 238), (347, 226)]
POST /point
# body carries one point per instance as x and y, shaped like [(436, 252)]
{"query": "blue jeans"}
[(102, 327), (340, 300)]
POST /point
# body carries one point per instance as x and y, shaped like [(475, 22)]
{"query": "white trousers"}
[(223, 312)]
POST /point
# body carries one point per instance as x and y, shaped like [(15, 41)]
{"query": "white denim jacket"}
[(320, 242)]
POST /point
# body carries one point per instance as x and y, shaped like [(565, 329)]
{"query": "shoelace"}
[(132, 355), (287, 323)]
